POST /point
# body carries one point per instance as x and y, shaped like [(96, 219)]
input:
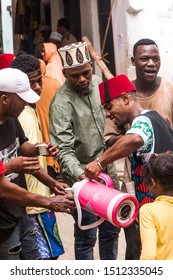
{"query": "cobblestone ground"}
[(65, 224)]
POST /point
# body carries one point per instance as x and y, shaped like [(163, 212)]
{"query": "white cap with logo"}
[(15, 81)]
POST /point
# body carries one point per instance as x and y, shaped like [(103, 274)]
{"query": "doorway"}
[(103, 11), (72, 13)]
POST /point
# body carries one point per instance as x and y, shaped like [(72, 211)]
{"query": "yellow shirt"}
[(156, 229), (29, 122)]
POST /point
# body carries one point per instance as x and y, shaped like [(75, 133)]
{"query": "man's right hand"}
[(22, 164)]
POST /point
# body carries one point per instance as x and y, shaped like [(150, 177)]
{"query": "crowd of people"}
[(53, 98)]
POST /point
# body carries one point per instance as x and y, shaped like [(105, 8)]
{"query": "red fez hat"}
[(114, 88)]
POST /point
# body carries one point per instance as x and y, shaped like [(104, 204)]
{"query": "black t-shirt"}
[(11, 138)]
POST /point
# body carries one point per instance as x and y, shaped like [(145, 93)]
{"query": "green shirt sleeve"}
[(61, 133)]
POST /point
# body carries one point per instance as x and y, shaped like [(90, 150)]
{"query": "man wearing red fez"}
[(149, 133)]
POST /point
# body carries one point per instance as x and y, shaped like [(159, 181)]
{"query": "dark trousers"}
[(85, 240), (133, 243)]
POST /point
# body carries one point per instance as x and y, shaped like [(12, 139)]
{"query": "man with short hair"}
[(76, 125), (153, 92)]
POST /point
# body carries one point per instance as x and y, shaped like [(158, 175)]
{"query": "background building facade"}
[(112, 26)]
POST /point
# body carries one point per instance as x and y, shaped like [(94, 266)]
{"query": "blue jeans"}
[(21, 244), (85, 240)]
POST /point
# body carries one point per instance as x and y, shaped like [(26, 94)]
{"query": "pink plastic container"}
[(103, 200)]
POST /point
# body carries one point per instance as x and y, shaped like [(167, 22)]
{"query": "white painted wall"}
[(57, 11), (7, 27), (90, 26), (120, 36)]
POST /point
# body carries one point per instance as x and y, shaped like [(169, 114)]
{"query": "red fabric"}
[(115, 87), (5, 60), (2, 168)]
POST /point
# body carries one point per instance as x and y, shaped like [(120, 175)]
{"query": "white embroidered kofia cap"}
[(74, 55)]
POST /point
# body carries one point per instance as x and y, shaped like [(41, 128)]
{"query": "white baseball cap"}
[(15, 81)]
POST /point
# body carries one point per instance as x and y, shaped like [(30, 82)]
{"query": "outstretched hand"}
[(51, 150), (22, 164), (60, 187), (62, 203)]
